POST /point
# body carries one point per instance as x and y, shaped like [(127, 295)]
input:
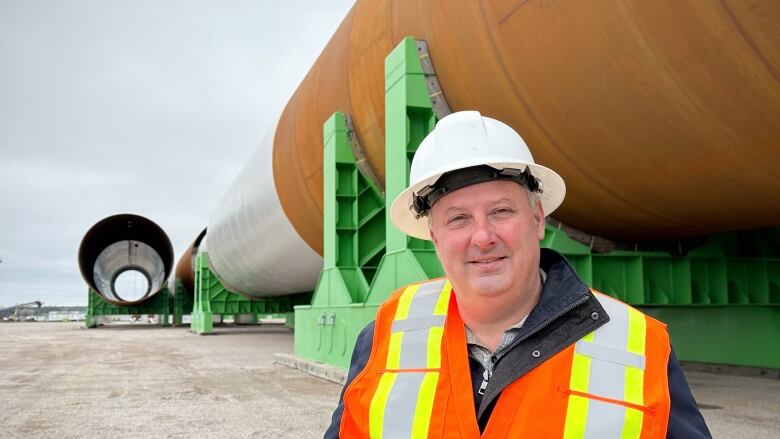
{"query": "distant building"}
[(62, 316)]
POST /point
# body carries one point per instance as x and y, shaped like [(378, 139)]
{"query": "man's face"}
[(487, 238)]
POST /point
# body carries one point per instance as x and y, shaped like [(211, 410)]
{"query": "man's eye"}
[(456, 219), (503, 211)]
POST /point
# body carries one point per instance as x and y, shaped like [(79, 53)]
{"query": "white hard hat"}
[(464, 140)]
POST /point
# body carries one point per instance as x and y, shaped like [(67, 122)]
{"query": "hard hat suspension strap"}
[(423, 200)]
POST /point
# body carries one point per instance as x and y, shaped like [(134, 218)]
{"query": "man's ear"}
[(539, 218), (432, 235), (430, 229)]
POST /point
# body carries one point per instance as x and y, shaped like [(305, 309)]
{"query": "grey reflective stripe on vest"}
[(610, 354), (607, 378), (603, 365), (418, 323), (410, 387), (414, 349), (400, 408), (605, 420)]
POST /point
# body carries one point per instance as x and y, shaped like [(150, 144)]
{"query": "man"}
[(511, 343)]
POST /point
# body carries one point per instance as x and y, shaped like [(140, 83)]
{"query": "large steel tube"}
[(253, 249), (185, 268), (125, 245), (660, 116)]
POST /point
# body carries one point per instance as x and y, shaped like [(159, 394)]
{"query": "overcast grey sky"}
[(146, 107)]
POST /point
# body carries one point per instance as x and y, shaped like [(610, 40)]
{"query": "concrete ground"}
[(58, 380), (738, 407)]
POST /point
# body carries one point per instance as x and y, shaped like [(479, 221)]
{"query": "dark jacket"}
[(566, 312)]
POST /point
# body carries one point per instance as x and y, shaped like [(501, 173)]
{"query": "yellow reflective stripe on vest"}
[(394, 349), (608, 363), (422, 413), (635, 377), (376, 411), (406, 390)]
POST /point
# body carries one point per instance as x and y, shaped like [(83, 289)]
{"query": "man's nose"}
[(484, 234)]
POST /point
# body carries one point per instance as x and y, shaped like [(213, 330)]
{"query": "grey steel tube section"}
[(121, 243), (252, 247)]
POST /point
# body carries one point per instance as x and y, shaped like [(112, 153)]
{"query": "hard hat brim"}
[(405, 220)]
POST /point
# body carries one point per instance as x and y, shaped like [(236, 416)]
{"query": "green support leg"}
[(178, 305), (213, 299), (158, 305), (90, 319), (202, 317), (289, 319), (409, 117), (166, 310), (326, 329), (352, 285)]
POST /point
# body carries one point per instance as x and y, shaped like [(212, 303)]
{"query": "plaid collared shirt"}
[(482, 354)]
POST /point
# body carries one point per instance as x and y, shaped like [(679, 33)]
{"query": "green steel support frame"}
[(357, 230), (721, 300), (160, 304), (212, 298), (182, 304)]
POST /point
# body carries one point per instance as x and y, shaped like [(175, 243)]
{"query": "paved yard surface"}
[(58, 380)]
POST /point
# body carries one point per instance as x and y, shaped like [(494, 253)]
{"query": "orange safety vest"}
[(612, 383)]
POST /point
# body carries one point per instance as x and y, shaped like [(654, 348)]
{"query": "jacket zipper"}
[(494, 359), (485, 378)]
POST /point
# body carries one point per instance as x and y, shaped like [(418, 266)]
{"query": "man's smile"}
[(487, 261)]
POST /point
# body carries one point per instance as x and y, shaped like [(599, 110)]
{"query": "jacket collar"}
[(562, 289), (564, 309)]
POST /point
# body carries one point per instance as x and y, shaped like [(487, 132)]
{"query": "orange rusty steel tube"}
[(661, 116), (185, 268)]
